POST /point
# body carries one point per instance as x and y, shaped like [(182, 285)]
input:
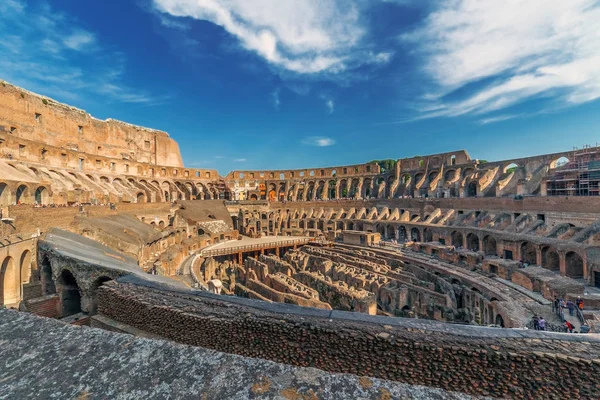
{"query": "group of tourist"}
[(559, 304)]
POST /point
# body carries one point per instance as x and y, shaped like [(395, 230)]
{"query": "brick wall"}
[(46, 306), (478, 361)]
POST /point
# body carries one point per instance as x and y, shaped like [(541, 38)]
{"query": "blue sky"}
[(277, 84)]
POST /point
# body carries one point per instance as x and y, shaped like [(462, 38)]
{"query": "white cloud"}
[(329, 103), (50, 53), (306, 37), (318, 141), (275, 98), (498, 118), (523, 49), (239, 160), (80, 40)]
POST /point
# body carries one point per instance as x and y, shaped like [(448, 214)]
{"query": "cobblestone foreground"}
[(41, 358)]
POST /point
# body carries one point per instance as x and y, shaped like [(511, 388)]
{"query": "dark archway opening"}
[(490, 246), (70, 296), (48, 285), (472, 189), (574, 265), (528, 253), (472, 242)]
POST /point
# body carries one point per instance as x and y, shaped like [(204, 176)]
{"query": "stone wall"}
[(39, 120), (479, 361)]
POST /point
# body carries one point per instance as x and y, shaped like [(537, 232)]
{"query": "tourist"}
[(569, 326), (542, 324), (571, 307), (536, 323), (579, 303), (555, 305)]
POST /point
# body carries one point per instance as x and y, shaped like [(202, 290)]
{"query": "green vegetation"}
[(483, 161), (22, 96), (385, 165), (45, 102), (511, 170)]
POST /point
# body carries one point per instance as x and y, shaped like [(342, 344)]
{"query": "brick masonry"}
[(473, 360)]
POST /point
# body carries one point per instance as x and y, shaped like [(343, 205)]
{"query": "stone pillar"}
[(544, 188)]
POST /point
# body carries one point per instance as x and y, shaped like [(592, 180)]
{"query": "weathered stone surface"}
[(67, 362)]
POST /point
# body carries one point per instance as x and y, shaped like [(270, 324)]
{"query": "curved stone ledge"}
[(474, 360)]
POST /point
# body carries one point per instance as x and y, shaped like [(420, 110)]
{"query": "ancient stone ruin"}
[(430, 273)]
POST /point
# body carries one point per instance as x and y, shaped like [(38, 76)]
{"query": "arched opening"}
[(573, 265), (472, 189), (48, 286), (512, 167), (141, 198), (415, 235), (402, 234), (457, 239), (427, 235), (94, 301), (472, 242), (253, 197), (391, 232), (25, 266), (450, 175), (499, 320), (528, 253), (41, 195), (489, 246), (9, 291), (161, 224), (21, 194), (561, 162), (4, 194), (550, 259), (70, 296)]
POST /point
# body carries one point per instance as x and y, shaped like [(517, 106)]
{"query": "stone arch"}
[(25, 266), (21, 193), (457, 239), (512, 167), (573, 265), (499, 320), (41, 195), (559, 162), (415, 235), (93, 306), (528, 253), (472, 242), (490, 246), (550, 259), (70, 294), (450, 175), (48, 285), (391, 232), (427, 235), (5, 195), (402, 233), (9, 281), (467, 172), (141, 197), (472, 189)]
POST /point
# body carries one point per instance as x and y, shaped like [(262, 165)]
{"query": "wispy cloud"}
[(304, 37), (318, 141), (48, 51), (498, 118), (239, 160), (510, 52), (329, 103), (275, 98)]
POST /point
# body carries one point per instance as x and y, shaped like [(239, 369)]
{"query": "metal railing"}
[(253, 247)]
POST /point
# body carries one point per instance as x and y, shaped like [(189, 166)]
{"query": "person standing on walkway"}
[(569, 326), (542, 324), (579, 303), (555, 305), (536, 323), (571, 306)]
